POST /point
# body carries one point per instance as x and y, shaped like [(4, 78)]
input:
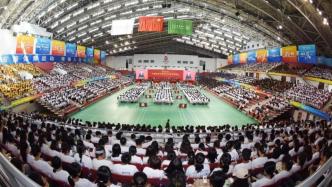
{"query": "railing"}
[(326, 171), (11, 176)]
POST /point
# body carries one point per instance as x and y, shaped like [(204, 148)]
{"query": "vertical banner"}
[(289, 54), (70, 50), (58, 48), (307, 54), (80, 52), (103, 56), (24, 44), (89, 55), (151, 24), (43, 46), (230, 59), (261, 56), (96, 56), (251, 57), (243, 58), (274, 55), (179, 26), (236, 59)]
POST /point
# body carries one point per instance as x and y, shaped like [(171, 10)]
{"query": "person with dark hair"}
[(38, 163), (212, 155), (104, 177), (246, 162), (17, 163), (39, 179), (175, 164), (125, 168), (140, 179), (171, 155), (286, 166), (217, 179), (176, 179), (58, 173), (65, 154), (116, 153), (140, 150), (134, 158), (199, 169), (185, 147), (269, 172), (201, 149), (74, 179), (261, 159), (154, 170), (81, 157), (100, 159), (225, 164), (150, 151), (299, 164)]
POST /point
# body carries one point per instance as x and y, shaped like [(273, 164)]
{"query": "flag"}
[(178, 26), (151, 24), (122, 27)]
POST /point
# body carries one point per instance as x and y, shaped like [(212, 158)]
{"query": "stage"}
[(216, 112)]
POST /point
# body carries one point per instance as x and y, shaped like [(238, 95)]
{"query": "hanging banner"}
[(80, 51), (261, 56), (96, 56), (70, 50), (89, 53), (230, 59), (179, 26), (251, 58), (243, 58), (151, 24), (289, 54), (274, 55), (24, 44), (103, 56), (307, 54), (43, 46), (236, 59), (58, 48), (122, 27)]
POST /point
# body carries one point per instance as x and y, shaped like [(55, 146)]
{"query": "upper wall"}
[(143, 61)]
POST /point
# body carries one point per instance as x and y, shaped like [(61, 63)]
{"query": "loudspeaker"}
[(127, 66), (203, 67)]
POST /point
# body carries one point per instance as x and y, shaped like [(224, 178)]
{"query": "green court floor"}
[(216, 112)]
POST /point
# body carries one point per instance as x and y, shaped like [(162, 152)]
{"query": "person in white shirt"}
[(104, 176), (261, 159), (116, 153), (171, 155), (126, 168), (65, 157), (247, 164), (225, 164), (269, 172), (286, 166), (58, 173), (39, 164), (134, 158), (75, 180), (100, 159), (199, 169), (80, 156), (153, 170)]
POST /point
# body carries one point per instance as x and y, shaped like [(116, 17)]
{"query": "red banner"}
[(151, 24), (160, 74), (25, 44)]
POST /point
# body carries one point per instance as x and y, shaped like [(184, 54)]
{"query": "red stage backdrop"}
[(158, 74)]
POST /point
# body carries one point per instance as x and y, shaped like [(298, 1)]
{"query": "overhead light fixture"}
[(280, 27)]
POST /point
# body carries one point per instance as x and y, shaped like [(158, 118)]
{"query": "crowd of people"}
[(308, 94), (257, 67), (298, 69), (240, 96), (322, 72), (272, 85), (133, 94), (193, 95), (163, 92), (52, 150)]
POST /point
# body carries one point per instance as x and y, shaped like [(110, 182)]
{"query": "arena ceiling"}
[(220, 26)]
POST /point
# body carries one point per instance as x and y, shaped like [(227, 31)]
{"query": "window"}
[(139, 61), (191, 62), (146, 61), (185, 62), (179, 62), (151, 61)]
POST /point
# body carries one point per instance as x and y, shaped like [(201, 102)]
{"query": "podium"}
[(143, 105)]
